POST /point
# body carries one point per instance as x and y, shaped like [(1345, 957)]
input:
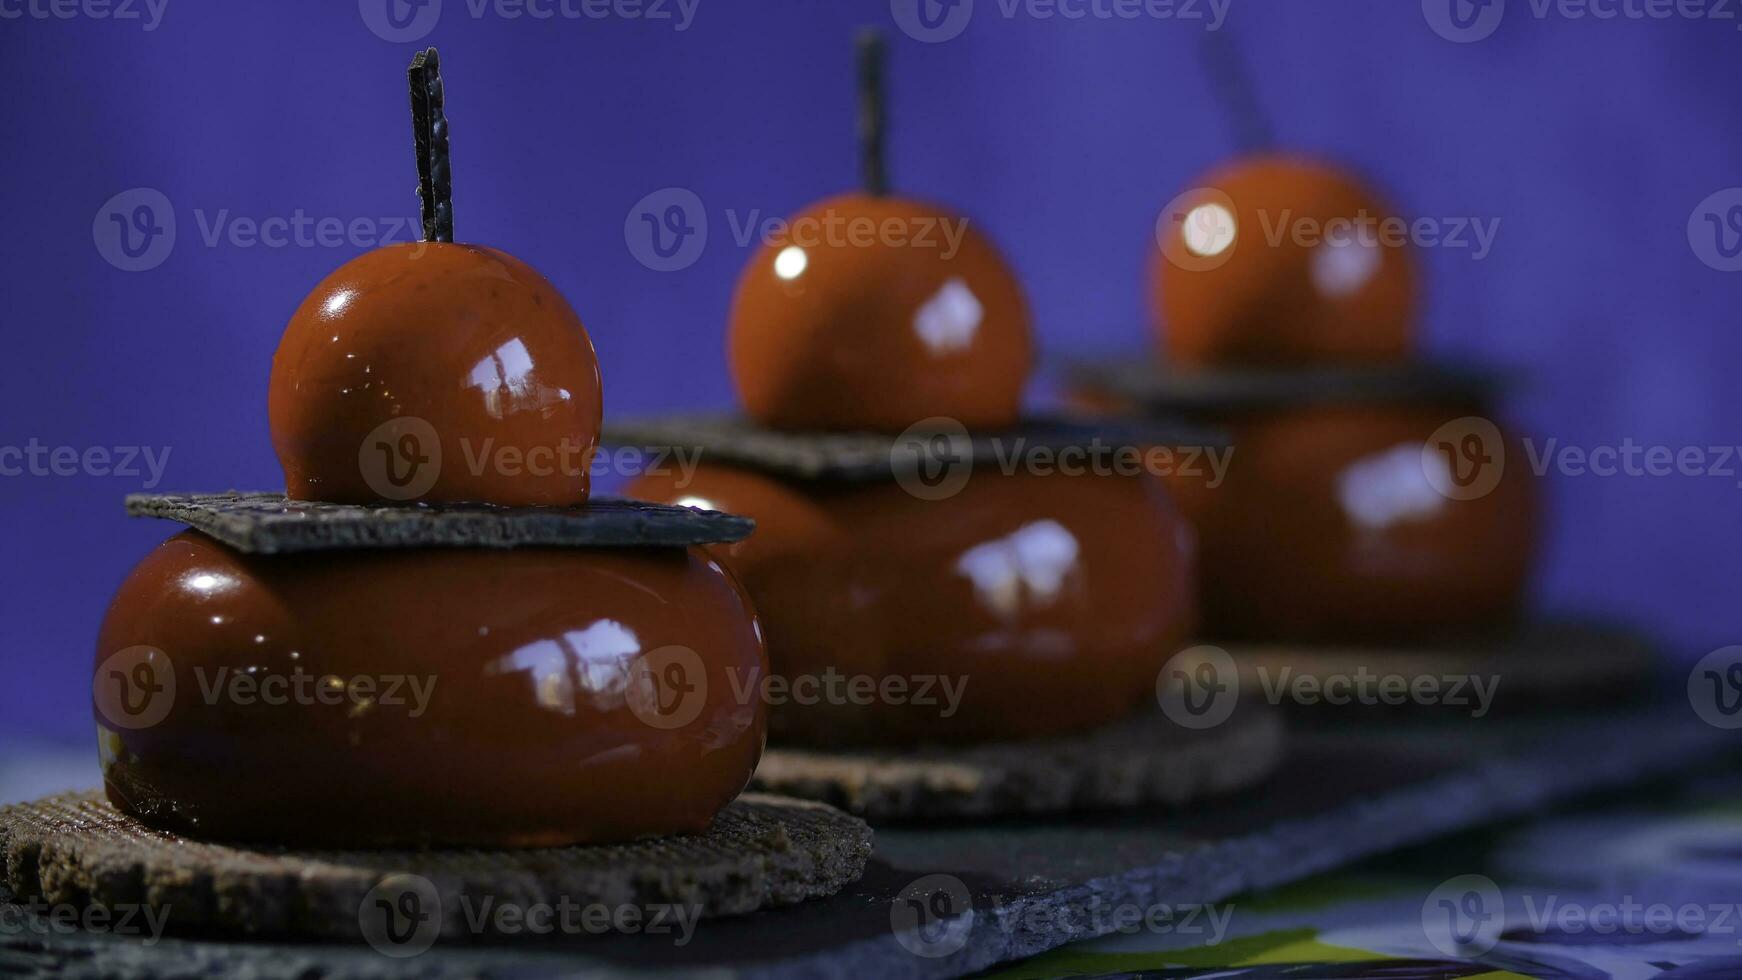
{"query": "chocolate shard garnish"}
[(429, 124), (270, 523), (1196, 391), (1143, 760), (867, 457), (872, 115), (78, 850)]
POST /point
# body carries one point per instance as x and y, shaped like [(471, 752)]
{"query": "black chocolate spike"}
[(430, 127), (1231, 81), (872, 171)]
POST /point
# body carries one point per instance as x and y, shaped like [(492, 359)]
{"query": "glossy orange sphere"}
[(1046, 603), (1280, 260), (530, 697), (436, 372), (874, 313), (1364, 523)]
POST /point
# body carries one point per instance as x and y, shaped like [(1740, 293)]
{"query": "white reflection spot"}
[(592, 663), (1343, 268), (336, 303), (1384, 489), (948, 321), (1209, 229), (791, 262), (1033, 561)]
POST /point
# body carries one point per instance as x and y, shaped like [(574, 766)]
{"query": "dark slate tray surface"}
[(861, 457), (1154, 386), (269, 523), (1348, 792)]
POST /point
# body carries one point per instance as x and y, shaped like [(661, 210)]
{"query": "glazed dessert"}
[(1364, 522), (862, 334), (1281, 260), (1368, 498), (463, 696), (457, 696), (1029, 605), (1048, 602), (435, 357)]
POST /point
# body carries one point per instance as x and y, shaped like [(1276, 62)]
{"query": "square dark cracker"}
[(1146, 759), (1546, 664), (867, 457), (762, 851), (1198, 392), (270, 523)]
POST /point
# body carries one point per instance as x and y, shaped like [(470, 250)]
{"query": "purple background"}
[(1592, 141)]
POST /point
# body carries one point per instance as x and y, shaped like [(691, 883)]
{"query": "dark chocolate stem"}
[(871, 115), (1232, 84), (435, 187)]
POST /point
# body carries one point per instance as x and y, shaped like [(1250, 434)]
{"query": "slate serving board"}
[(1349, 792)]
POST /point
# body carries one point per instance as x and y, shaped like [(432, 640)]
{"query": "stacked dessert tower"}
[(434, 692)]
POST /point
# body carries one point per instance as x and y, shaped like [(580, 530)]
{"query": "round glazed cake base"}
[(762, 851), (1144, 759)]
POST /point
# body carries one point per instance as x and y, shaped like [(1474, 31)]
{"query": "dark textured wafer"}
[(762, 851), (1543, 664), (269, 523), (862, 457), (1145, 384), (1143, 760)]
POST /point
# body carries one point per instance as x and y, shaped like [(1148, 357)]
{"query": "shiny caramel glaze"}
[(1055, 599), (1328, 529), (468, 339), (1274, 299), (554, 716), (847, 331)]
